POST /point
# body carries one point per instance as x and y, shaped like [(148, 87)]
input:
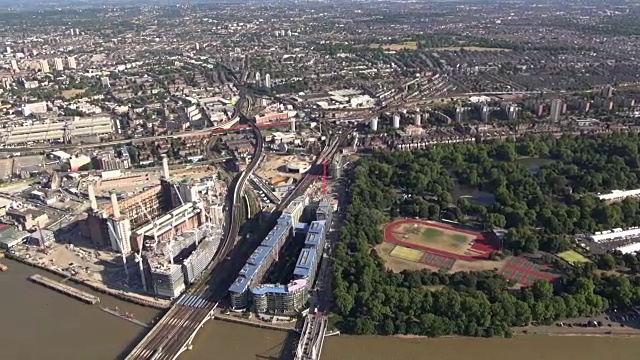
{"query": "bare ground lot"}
[(478, 265), (407, 45), (274, 166), (70, 94)]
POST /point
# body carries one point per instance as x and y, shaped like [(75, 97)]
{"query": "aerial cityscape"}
[(339, 179)]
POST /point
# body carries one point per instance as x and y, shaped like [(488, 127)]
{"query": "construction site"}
[(151, 245)]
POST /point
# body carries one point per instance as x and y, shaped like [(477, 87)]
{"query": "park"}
[(414, 244)]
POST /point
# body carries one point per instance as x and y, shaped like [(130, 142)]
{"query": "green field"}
[(406, 253), (572, 257), (441, 239), (432, 234)]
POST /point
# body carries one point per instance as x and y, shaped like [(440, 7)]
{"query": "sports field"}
[(406, 253), (438, 239), (525, 272), (573, 257)]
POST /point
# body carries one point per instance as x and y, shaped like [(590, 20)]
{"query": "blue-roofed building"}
[(277, 236), (324, 211), (301, 228), (318, 227), (306, 265), (280, 299), (286, 219), (238, 293), (314, 240), (259, 255), (248, 271)]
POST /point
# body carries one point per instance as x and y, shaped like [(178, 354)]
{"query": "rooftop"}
[(307, 258), (317, 227), (276, 235), (264, 289), (259, 255), (240, 285), (313, 239)]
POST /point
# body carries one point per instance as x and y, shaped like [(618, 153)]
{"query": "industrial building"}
[(185, 217), (173, 233), (615, 234), (61, 129), (136, 209), (617, 195)]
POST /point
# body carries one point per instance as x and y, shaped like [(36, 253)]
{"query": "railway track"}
[(169, 337)]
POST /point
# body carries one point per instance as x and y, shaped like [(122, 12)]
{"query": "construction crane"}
[(155, 227), (182, 203), (138, 255), (173, 234), (120, 247)]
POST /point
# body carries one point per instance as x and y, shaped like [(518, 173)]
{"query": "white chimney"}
[(92, 198), (165, 167), (114, 204)]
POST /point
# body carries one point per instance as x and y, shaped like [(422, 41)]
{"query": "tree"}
[(606, 262)]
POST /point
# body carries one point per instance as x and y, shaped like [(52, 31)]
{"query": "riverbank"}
[(256, 322), (635, 333), (94, 286)]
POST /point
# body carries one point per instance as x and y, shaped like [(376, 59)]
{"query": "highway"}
[(174, 332)]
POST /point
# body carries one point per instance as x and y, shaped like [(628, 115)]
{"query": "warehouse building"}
[(617, 195), (58, 129)]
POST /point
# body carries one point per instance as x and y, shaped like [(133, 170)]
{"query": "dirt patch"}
[(70, 94), (479, 265), (469, 48), (407, 45)]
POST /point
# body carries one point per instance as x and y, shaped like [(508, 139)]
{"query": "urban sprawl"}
[(449, 168)]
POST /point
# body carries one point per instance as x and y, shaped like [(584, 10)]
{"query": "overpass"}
[(174, 333)]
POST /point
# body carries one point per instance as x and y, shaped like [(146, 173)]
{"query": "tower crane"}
[(120, 246)]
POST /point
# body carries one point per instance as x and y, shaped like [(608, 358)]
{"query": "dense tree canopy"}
[(539, 207)]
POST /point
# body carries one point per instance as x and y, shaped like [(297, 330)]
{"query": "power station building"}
[(173, 233)]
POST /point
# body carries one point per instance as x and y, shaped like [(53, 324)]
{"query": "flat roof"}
[(259, 255), (307, 258), (301, 272), (248, 271), (240, 285), (317, 226), (61, 154), (277, 234), (313, 239), (279, 289), (301, 226)]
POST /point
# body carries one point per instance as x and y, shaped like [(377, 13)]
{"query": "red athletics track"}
[(480, 244)]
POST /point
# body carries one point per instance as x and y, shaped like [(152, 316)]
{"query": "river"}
[(38, 323)]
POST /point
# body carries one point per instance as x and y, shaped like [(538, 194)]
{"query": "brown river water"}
[(38, 323)]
